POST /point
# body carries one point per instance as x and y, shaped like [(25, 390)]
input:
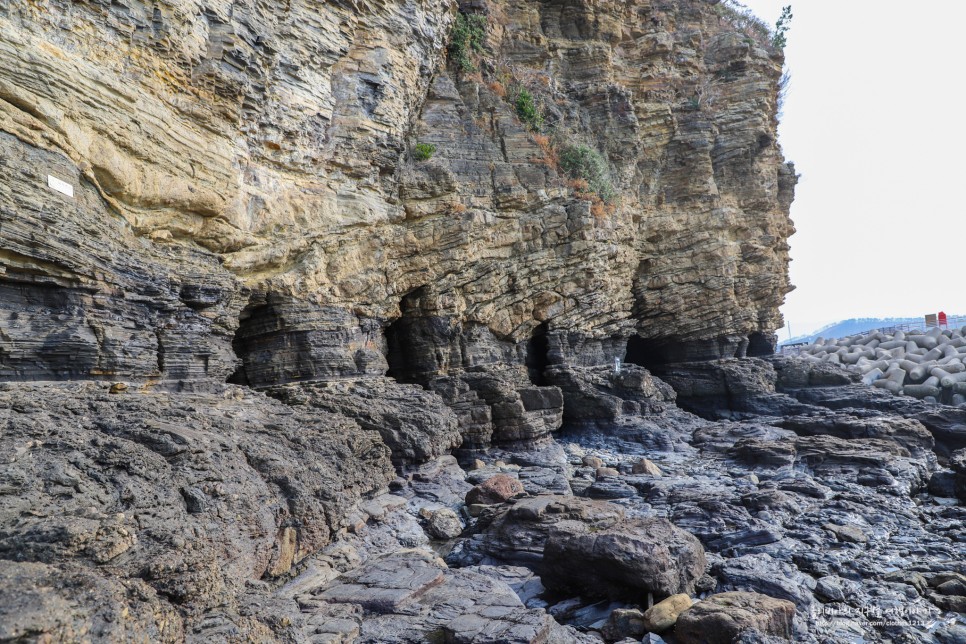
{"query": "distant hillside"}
[(851, 327)]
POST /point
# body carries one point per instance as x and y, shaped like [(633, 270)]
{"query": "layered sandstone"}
[(220, 147)]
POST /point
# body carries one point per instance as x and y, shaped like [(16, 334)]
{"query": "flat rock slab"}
[(411, 596), (384, 585)]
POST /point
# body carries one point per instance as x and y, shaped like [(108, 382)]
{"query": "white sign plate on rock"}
[(60, 186)]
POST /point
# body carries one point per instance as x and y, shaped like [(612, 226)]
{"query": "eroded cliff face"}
[(223, 147), (246, 210)]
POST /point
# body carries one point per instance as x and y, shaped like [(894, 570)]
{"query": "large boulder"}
[(495, 489), (517, 532), (595, 393), (722, 618), (626, 559)]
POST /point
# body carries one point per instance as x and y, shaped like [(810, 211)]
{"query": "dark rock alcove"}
[(760, 344), (537, 357)]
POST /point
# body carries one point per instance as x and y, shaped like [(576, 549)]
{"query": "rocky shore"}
[(808, 509)]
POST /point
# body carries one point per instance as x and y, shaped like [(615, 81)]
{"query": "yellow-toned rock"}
[(662, 615)]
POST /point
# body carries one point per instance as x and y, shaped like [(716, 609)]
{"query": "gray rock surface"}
[(412, 596), (415, 424), (158, 500)]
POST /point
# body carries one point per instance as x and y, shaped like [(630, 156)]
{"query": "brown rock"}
[(663, 615), (646, 466), (721, 618), (592, 461), (118, 388), (603, 472), (285, 553), (495, 489)]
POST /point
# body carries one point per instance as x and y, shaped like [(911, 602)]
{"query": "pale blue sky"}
[(874, 123)]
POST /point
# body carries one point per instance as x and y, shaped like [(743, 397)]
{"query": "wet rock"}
[(772, 500), (593, 394), (951, 634), (496, 403), (946, 424), (798, 374), (956, 586), (914, 579), (847, 533), (943, 483), (68, 602), (495, 489), (768, 576), (524, 582), (954, 603), (722, 618), (767, 453), (634, 556), (609, 487), (664, 614), (730, 388), (593, 616), (909, 433), (624, 623), (435, 484), (197, 495), (543, 480), (830, 589)]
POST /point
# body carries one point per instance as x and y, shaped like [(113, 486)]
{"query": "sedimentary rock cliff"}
[(334, 205), (247, 164)]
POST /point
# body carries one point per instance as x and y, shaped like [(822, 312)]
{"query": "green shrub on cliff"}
[(467, 36), (527, 109), (424, 151), (585, 163)]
